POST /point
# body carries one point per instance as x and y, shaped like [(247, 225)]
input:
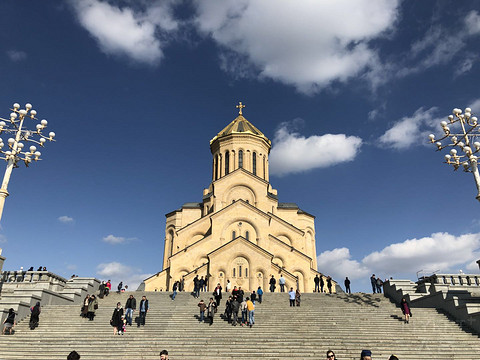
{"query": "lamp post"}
[(16, 127), (465, 132)]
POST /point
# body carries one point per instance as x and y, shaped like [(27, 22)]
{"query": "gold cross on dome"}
[(240, 107)]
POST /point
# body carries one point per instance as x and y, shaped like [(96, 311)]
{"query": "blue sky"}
[(347, 92)]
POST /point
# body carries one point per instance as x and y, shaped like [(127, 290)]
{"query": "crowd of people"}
[(123, 316), (236, 304)]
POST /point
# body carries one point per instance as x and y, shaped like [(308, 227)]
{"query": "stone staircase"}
[(344, 323)]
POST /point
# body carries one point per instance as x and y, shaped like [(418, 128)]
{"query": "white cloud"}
[(299, 43), (406, 131), (293, 153), (112, 239), (475, 106), (117, 272), (16, 55), (440, 46), (65, 219), (464, 66), (440, 251), (338, 264), (123, 31), (472, 22)]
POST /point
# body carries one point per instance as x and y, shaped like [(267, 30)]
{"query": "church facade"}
[(240, 231)]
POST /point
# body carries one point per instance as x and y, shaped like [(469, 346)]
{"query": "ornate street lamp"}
[(464, 134), (14, 153)]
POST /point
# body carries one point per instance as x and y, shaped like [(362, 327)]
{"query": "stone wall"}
[(21, 290)]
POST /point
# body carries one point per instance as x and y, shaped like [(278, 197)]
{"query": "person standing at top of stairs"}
[(316, 280), (374, 283), (272, 283), (347, 285), (281, 282)]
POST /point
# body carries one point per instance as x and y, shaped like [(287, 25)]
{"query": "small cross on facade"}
[(240, 107)]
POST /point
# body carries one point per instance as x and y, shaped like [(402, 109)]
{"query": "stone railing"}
[(452, 280), (30, 276)]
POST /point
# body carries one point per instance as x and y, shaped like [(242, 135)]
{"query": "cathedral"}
[(239, 232)]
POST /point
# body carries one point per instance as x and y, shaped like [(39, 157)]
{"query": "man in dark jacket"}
[(130, 307), (272, 283), (329, 284), (347, 285), (374, 283), (235, 308), (316, 280), (196, 287), (217, 293), (143, 310)]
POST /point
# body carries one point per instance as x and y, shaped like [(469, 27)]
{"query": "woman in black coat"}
[(117, 320), (35, 316)]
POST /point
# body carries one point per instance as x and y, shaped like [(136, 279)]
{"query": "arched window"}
[(233, 272), (234, 235), (247, 235), (240, 158), (170, 235), (227, 162), (254, 163), (246, 272), (216, 167), (264, 173), (240, 271)]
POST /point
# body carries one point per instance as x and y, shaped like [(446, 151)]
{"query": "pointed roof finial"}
[(240, 107)]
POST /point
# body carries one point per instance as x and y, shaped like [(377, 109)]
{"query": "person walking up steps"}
[(260, 294), (406, 310), (251, 312), (9, 322), (35, 316), (235, 308)]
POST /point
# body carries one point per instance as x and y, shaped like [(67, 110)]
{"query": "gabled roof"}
[(240, 126), (245, 241)]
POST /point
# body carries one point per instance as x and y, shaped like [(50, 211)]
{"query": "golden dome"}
[(240, 126)]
